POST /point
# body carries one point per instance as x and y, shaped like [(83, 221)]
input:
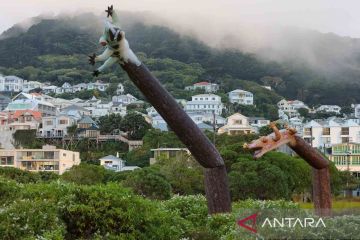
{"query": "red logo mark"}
[(251, 218)]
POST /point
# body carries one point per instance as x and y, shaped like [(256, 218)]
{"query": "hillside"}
[(54, 50)]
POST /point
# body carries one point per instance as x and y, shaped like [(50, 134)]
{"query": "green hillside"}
[(55, 51)]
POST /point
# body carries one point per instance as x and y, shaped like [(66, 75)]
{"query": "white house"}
[(207, 103), (115, 164), (50, 89), (124, 99), (332, 131), (206, 86), (79, 87), (210, 118), (11, 84), (236, 124), (35, 102), (290, 108), (241, 97), (30, 85), (56, 126), (258, 122), (75, 111), (329, 108), (99, 85), (98, 107), (118, 108)]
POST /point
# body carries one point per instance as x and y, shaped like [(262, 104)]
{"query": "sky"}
[(336, 16)]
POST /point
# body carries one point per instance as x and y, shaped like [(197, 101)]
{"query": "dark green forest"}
[(55, 50)]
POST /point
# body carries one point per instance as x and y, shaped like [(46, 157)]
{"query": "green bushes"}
[(149, 183)]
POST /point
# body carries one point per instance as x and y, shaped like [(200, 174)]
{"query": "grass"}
[(340, 204)]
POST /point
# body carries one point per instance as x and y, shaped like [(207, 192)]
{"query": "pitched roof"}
[(35, 114), (110, 158), (202, 83), (87, 120)]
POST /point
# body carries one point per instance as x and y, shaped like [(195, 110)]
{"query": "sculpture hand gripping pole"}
[(216, 183)]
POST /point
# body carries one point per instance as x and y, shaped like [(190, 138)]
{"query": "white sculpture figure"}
[(117, 47)]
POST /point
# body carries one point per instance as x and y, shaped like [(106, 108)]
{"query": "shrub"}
[(19, 175), (29, 218), (149, 183), (86, 174), (9, 190)]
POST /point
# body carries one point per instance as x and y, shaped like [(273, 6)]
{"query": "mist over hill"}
[(307, 65)]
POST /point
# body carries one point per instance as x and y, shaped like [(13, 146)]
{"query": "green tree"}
[(149, 183), (135, 125)]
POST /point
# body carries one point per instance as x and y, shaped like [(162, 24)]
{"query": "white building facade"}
[(207, 103), (241, 97)]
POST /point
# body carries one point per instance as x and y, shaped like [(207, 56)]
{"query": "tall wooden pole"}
[(216, 182)]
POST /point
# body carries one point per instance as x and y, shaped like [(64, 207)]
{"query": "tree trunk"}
[(321, 191)]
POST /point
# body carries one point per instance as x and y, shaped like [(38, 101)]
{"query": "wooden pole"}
[(217, 189), (321, 191)]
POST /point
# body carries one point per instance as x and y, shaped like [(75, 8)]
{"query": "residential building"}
[(79, 87), (11, 84), (47, 159), (257, 122), (116, 164), (325, 133), (24, 120), (241, 97), (4, 102), (97, 107), (99, 85), (87, 128), (118, 108), (30, 85), (168, 153), (236, 124), (357, 110), (35, 102), (207, 103), (75, 111), (290, 108), (206, 86), (329, 108), (56, 126), (124, 99), (209, 118), (50, 89)]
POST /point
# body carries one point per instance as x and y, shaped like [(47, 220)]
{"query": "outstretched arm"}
[(108, 63), (105, 55)]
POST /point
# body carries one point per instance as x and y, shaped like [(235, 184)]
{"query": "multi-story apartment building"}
[(241, 97), (237, 124), (290, 108), (325, 133), (329, 108), (11, 84), (48, 159), (206, 86), (207, 103)]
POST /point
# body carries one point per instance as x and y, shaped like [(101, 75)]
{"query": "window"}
[(345, 139), (307, 131), (49, 122), (238, 122), (326, 131), (344, 131), (49, 155), (63, 121), (8, 160)]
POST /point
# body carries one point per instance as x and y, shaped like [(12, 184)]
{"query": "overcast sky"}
[(338, 16)]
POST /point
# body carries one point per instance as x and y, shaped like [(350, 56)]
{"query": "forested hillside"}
[(55, 50)]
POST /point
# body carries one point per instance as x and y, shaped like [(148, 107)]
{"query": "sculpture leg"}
[(218, 194), (321, 191)]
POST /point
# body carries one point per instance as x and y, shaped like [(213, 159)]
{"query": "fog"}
[(274, 30)]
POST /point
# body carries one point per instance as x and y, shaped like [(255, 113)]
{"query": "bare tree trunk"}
[(217, 190)]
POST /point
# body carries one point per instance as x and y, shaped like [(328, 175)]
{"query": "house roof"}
[(35, 114), (202, 83), (110, 158), (74, 107), (87, 120)]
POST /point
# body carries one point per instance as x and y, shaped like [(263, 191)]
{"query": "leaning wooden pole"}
[(320, 165), (216, 182)]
